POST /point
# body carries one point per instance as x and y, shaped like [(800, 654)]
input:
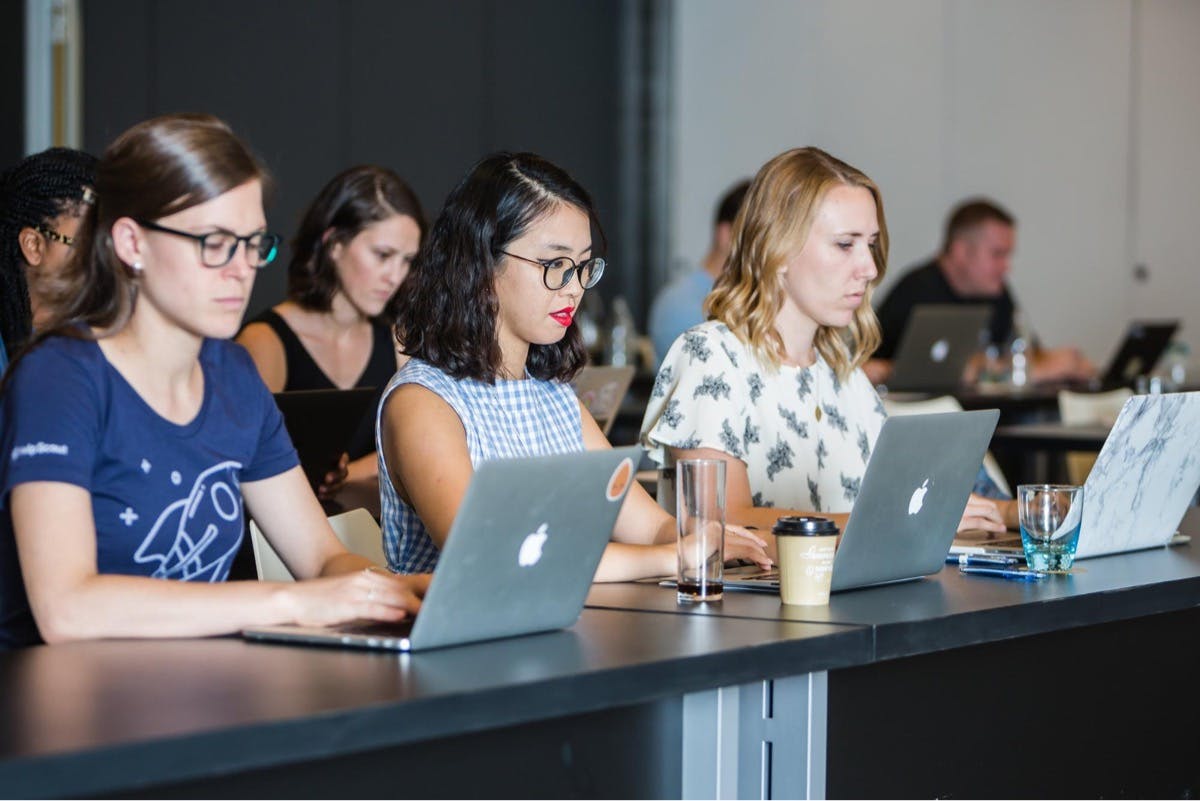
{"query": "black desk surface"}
[(950, 610), (107, 717), (100, 717)]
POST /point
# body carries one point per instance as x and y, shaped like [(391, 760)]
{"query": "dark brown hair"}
[(156, 168), (731, 202), (352, 200), (446, 309), (969, 215)]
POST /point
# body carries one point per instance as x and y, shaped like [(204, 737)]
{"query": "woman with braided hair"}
[(42, 199)]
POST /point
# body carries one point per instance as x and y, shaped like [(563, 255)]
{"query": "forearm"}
[(623, 562), (364, 468), (344, 563), (104, 606), (762, 519), (642, 521)]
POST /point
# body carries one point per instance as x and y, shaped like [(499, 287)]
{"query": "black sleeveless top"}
[(303, 372)]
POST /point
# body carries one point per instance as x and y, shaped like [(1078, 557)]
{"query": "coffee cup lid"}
[(793, 525)]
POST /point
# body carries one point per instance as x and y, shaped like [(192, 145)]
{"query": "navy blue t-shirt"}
[(166, 498)]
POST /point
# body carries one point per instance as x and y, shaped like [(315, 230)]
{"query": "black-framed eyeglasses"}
[(54, 236), (557, 273), (217, 248)]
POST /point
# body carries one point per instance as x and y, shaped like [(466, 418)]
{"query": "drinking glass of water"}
[(700, 512), (1050, 516)]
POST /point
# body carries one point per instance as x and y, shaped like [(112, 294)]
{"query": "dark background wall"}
[(12, 81), (425, 87)]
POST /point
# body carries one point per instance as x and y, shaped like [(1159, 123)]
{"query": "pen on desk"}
[(982, 559), (1018, 573)]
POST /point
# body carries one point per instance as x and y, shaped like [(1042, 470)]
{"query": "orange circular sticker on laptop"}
[(621, 478)]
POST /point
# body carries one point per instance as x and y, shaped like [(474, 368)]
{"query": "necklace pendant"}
[(817, 413)]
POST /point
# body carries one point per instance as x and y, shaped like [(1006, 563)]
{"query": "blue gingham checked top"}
[(503, 420)]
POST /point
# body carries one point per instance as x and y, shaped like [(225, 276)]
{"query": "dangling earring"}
[(137, 266)]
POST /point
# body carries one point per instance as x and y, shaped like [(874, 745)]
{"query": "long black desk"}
[(951, 685), (591, 711), (971, 675)]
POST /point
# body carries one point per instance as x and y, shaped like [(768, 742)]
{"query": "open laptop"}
[(936, 345), (321, 423), (1141, 484), (908, 508), (601, 388), (519, 559), (1143, 345)]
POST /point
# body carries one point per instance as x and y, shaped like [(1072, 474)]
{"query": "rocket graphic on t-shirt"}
[(181, 540)]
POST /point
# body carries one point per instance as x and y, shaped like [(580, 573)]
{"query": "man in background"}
[(974, 260), (680, 304)]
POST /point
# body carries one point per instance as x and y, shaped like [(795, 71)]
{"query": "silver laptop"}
[(1141, 484), (912, 498), (520, 556), (936, 345)]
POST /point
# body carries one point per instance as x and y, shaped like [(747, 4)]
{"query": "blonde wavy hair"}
[(771, 228)]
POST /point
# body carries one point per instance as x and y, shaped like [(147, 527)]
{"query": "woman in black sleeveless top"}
[(352, 252)]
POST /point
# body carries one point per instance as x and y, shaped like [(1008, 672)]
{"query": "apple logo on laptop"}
[(939, 351), (918, 498), (531, 548)]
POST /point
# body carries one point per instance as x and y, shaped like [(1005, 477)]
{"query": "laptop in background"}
[(1141, 484), (321, 422), (1144, 344), (908, 508), (520, 556), (936, 345), (601, 389)]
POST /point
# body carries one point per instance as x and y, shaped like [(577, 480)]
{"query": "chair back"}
[(356, 529), (1088, 408)]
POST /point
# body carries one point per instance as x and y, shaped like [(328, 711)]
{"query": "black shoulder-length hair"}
[(446, 309), (352, 200)]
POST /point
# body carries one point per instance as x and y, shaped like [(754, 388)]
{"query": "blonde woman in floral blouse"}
[(773, 383)]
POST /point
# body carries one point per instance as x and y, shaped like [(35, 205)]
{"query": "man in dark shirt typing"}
[(970, 269)]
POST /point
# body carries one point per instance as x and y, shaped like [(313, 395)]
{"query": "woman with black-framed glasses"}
[(42, 200), (487, 317), (136, 433)]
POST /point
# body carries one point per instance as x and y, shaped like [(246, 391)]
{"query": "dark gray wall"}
[(425, 87), (12, 81)]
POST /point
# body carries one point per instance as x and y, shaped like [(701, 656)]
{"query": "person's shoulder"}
[(699, 339), (58, 370), (918, 274), (424, 374), (914, 282), (230, 360), (678, 293), (60, 352)]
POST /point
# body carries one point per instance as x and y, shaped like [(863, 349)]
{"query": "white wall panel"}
[(1024, 100)]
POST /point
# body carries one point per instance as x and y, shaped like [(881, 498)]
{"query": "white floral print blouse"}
[(804, 435)]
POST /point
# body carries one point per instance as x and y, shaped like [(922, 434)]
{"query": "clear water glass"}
[(700, 514), (1050, 516)]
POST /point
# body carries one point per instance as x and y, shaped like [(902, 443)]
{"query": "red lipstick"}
[(563, 316)]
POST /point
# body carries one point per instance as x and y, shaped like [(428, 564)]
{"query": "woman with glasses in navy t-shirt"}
[(133, 430)]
